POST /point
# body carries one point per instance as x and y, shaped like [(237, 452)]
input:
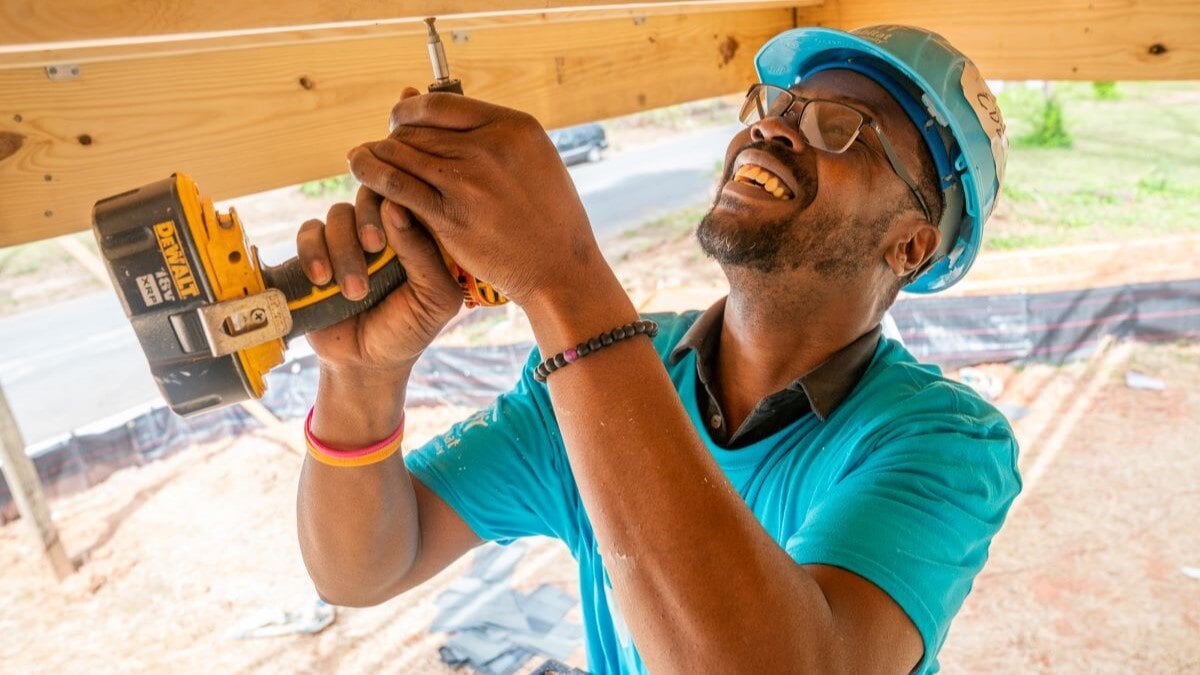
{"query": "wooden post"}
[(274, 426), (26, 488)]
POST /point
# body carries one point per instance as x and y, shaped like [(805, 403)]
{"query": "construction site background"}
[(1097, 569)]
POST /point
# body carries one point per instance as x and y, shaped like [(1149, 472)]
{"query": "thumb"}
[(407, 93)]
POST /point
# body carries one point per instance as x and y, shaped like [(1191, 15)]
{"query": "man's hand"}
[(368, 533), (382, 343), (386, 339), (490, 186)]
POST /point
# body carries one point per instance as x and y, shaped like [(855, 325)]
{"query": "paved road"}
[(628, 189), (76, 362)]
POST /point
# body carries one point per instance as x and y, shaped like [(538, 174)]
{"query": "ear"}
[(911, 244)]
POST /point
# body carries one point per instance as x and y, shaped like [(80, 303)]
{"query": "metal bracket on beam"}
[(63, 72)]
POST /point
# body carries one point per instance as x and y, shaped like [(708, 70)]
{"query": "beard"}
[(760, 249), (810, 237)]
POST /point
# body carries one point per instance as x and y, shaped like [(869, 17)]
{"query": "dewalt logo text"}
[(176, 259)]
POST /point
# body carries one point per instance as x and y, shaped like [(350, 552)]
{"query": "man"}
[(765, 486)]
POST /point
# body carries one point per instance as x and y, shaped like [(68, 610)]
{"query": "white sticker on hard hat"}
[(983, 102)]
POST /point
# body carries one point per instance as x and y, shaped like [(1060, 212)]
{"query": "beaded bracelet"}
[(561, 359), (348, 458)]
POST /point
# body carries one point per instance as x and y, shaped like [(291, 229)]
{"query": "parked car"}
[(582, 143)]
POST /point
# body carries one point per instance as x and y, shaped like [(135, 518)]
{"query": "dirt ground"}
[(1087, 575), (181, 551)]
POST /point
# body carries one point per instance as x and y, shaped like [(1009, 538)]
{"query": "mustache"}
[(785, 157)]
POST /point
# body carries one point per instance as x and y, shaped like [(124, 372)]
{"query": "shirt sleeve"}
[(502, 469), (916, 518)]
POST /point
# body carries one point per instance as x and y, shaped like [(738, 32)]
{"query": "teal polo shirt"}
[(904, 483)]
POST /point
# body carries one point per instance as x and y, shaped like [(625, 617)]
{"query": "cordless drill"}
[(210, 316)]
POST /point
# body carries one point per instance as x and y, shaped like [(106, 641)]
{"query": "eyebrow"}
[(858, 104)]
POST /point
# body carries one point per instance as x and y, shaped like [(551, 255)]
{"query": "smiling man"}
[(768, 485)]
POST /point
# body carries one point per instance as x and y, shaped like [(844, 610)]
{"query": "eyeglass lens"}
[(826, 125)]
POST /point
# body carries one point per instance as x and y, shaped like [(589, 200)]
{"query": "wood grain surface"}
[(25, 22), (262, 108), (241, 121), (1046, 39)]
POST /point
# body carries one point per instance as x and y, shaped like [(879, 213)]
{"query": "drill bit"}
[(437, 58)]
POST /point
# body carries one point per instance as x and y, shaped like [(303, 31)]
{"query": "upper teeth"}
[(752, 174)]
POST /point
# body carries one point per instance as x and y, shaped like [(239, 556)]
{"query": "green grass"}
[(674, 223), (339, 188), (1133, 169), (45, 264), (39, 256), (26, 259), (1106, 91), (663, 231), (1102, 161)]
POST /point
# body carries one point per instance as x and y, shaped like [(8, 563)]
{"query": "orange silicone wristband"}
[(347, 458)]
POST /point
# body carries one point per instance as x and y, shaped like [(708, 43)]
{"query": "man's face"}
[(835, 207)]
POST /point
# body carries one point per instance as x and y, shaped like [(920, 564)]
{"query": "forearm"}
[(691, 567), (358, 527)]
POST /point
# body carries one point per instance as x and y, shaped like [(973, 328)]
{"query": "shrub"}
[(1106, 91), (338, 187), (1050, 128)]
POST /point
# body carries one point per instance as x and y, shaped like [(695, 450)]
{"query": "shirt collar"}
[(702, 335), (825, 386)]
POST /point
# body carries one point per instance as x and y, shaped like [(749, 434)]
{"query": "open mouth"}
[(753, 174)]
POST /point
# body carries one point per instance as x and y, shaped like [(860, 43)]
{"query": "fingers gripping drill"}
[(211, 318)]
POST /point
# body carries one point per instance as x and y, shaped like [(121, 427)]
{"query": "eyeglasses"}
[(825, 125)]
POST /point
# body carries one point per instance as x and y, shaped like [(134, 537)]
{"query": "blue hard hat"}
[(948, 101)]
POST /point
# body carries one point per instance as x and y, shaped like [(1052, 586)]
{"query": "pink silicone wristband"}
[(349, 454)]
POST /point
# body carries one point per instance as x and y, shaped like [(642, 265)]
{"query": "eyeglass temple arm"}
[(901, 170), (757, 99)]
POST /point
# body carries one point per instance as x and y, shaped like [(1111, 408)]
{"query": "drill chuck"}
[(437, 54), (437, 59)]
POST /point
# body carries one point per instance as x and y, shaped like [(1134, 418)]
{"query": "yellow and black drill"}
[(211, 318)]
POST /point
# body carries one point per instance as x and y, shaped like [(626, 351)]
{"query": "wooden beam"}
[(454, 28), (26, 488), (248, 120), (250, 112), (1035, 39), (28, 22)]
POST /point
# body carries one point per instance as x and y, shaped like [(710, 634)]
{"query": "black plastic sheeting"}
[(1045, 327), (466, 376), (952, 332), (82, 460)]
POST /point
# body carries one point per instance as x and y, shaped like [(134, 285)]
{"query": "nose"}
[(778, 129)]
